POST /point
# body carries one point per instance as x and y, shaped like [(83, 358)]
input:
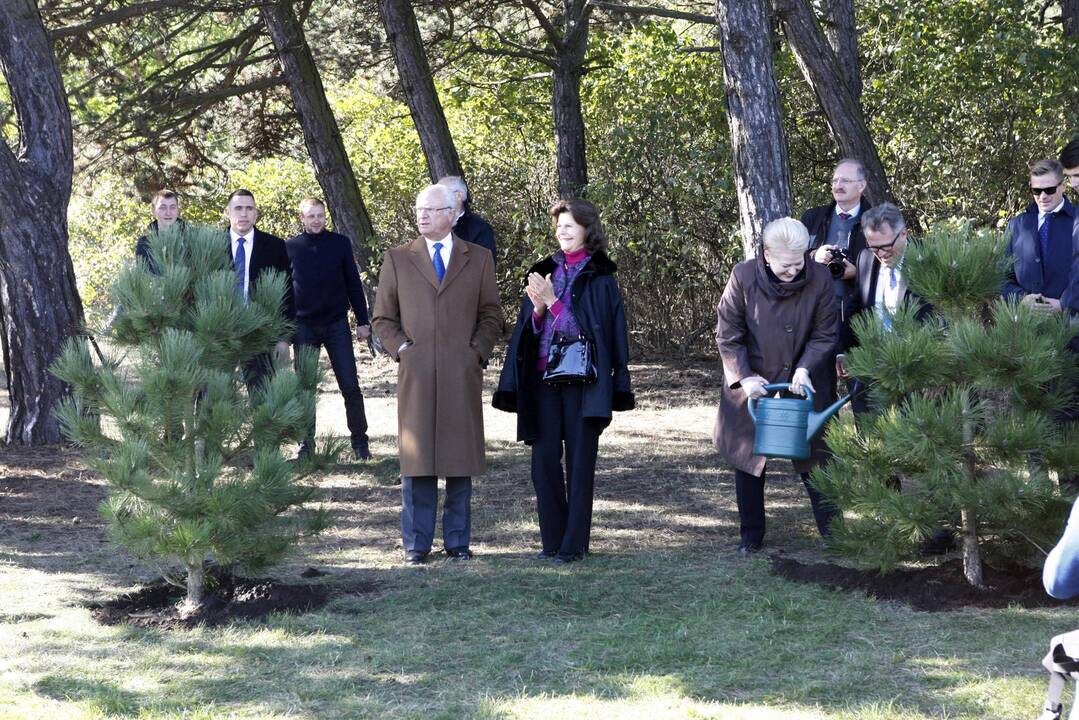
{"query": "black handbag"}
[(571, 360)]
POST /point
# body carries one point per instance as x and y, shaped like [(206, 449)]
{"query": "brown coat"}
[(771, 330), (453, 328)]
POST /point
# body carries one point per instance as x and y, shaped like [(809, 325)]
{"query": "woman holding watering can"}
[(572, 299), (777, 324)]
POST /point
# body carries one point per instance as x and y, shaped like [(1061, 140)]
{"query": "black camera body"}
[(836, 264)]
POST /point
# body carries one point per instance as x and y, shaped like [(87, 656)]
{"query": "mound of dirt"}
[(930, 589), (228, 598)]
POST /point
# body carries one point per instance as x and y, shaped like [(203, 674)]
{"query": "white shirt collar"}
[(447, 242), (248, 238), (853, 212)]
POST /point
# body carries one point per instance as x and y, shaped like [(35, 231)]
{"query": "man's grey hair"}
[(786, 234), (456, 183), (444, 192), (856, 163), (883, 214)]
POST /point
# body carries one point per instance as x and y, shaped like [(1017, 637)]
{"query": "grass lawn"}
[(663, 620)]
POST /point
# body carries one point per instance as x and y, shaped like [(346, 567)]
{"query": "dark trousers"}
[(564, 496), (337, 339), (256, 371), (419, 509), (859, 401), (750, 492)]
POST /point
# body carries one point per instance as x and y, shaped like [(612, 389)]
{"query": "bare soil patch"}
[(233, 598), (934, 588)]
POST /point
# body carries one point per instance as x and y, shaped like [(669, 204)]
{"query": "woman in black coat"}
[(570, 293)]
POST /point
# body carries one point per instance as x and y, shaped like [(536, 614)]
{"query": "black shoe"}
[(543, 555), (361, 451), (566, 559), (415, 557), (941, 542), (746, 548), (304, 452), (459, 553)]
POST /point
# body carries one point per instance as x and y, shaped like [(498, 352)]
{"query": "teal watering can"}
[(786, 426)]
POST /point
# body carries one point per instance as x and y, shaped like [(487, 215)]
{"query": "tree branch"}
[(553, 36), (140, 9), (658, 12)]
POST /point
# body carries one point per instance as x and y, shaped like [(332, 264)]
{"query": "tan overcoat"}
[(452, 328), (770, 330)]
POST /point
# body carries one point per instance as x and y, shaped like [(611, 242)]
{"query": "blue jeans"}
[(337, 339)]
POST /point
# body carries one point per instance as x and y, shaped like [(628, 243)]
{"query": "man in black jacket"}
[(165, 207), (253, 253), (468, 225), (326, 282), (837, 226)]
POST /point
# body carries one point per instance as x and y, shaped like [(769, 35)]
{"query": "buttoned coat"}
[(451, 328), (770, 330)]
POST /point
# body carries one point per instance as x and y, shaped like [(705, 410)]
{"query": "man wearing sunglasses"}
[(1041, 242)]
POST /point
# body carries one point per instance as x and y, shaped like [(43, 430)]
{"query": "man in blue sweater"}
[(325, 282)]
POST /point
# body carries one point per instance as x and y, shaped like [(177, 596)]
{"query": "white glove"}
[(800, 382), (753, 386)]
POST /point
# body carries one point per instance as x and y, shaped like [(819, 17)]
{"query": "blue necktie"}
[(239, 264), (440, 267), (1043, 237), (891, 279)]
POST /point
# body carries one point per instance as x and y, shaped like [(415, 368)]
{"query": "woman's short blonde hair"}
[(786, 234)]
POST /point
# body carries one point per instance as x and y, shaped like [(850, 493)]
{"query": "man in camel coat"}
[(438, 314)]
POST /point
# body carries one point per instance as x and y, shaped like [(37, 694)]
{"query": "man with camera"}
[(835, 237)]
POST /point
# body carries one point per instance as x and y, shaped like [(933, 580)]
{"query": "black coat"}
[(142, 245), (599, 311), (818, 221), (472, 228), (270, 253)]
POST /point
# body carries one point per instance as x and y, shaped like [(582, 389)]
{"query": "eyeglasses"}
[(421, 211), (1047, 190), (843, 181), (875, 248)]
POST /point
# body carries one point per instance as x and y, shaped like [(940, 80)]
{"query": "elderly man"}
[(325, 283), (1041, 242), (836, 227), (438, 314), (165, 207), (467, 225)]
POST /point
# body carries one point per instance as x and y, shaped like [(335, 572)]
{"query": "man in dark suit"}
[(881, 284), (253, 253), (467, 225), (837, 226), (165, 207)]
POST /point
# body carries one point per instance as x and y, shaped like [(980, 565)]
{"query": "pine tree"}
[(168, 424), (967, 404)]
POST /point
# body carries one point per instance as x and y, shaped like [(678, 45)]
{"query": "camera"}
[(836, 265)]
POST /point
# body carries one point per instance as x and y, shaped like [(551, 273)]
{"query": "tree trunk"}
[(1069, 16), (972, 557), (842, 30), (38, 295), (566, 103), (759, 144), (844, 113), (320, 131), (196, 588), (419, 88)]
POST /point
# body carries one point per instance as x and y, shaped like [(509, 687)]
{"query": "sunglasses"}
[(875, 248), (1047, 190)]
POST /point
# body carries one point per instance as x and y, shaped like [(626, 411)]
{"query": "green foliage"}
[(968, 405), (167, 423)]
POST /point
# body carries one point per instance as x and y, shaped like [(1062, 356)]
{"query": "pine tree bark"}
[(321, 134), (841, 27), (843, 112), (38, 295), (759, 144), (196, 588), (972, 557), (1069, 15), (418, 85), (566, 102)]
